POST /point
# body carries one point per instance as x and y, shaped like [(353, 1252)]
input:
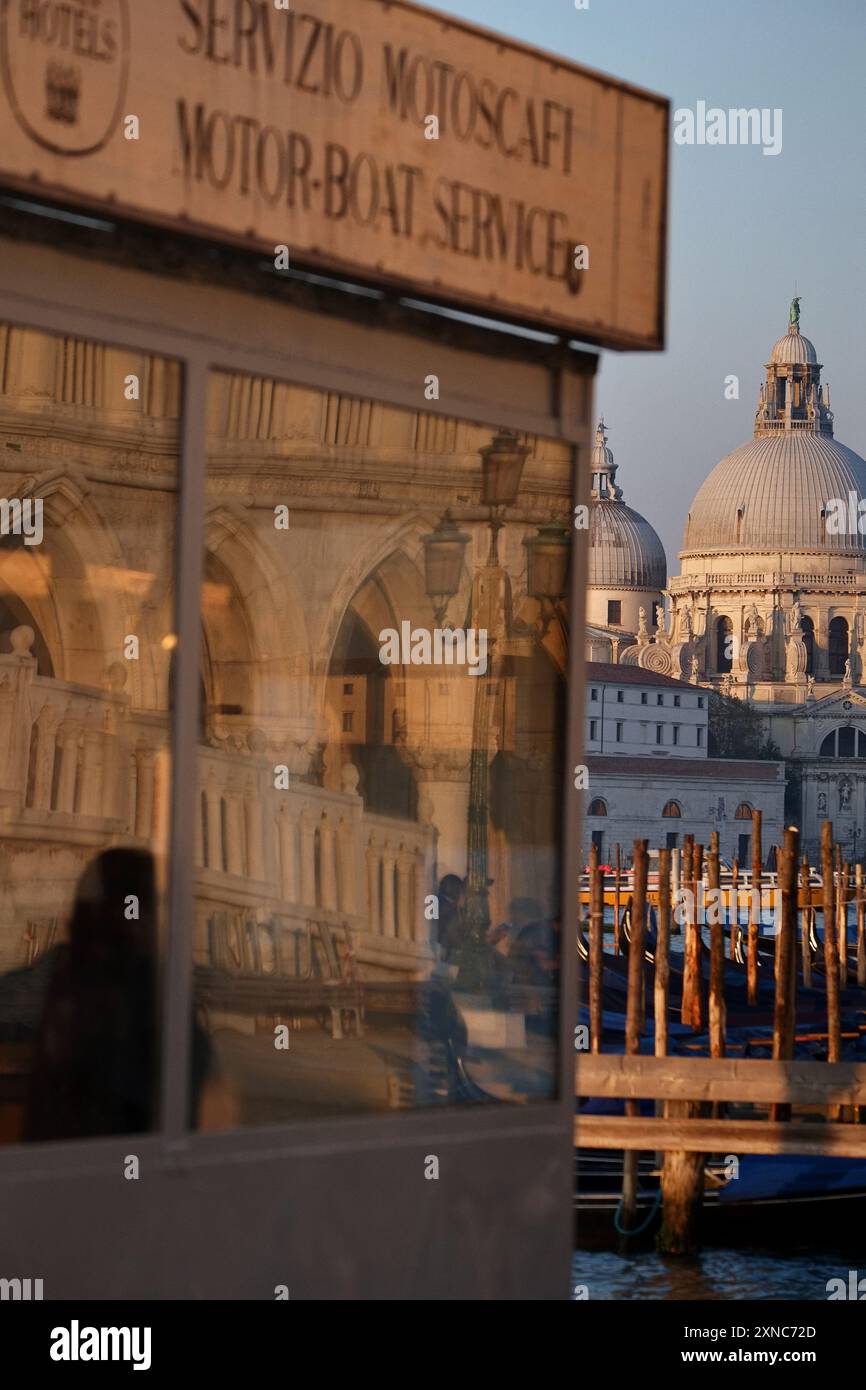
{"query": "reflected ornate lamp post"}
[(501, 470), (547, 561), (502, 464), (444, 549)]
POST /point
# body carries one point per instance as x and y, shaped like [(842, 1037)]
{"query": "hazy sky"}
[(743, 226)]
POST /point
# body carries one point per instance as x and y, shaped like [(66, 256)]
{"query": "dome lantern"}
[(603, 468), (791, 398)]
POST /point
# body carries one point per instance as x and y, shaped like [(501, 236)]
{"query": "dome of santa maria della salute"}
[(624, 549), (776, 493)]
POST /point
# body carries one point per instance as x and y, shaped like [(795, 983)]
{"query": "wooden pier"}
[(795, 991)]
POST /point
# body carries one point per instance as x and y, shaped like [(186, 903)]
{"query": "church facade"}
[(769, 604)]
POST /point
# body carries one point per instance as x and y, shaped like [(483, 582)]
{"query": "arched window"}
[(842, 743), (808, 628), (15, 613), (724, 645), (597, 807), (743, 811), (838, 646), (672, 809)]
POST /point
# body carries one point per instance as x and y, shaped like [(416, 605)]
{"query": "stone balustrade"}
[(281, 862), (773, 580), (311, 857)]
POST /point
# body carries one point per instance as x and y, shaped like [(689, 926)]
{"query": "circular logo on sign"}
[(64, 65)]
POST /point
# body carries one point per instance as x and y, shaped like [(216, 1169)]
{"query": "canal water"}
[(716, 1274)]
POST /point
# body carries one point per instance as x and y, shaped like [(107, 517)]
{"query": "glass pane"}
[(383, 659), (88, 473)]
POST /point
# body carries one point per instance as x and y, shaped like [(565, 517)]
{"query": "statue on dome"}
[(794, 316), (796, 615)]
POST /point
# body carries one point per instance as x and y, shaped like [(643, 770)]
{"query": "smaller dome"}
[(624, 550), (793, 349)]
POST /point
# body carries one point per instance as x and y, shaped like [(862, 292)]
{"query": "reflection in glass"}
[(383, 671), (88, 475)]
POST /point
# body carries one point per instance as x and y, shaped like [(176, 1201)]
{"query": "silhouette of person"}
[(96, 1046), (451, 925)]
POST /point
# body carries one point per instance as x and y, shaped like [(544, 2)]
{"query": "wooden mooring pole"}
[(717, 953), (682, 1172), (633, 1022), (617, 879), (842, 917), (662, 975), (596, 949), (692, 1005), (861, 926), (784, 1012), (831, 963), (735, 908), (754, 911), (805, 904), (661, 985)]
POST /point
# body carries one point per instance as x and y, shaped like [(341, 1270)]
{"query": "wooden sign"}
[(369, 137)]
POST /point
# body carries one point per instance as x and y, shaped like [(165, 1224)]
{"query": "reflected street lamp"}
[(502, 464), (547, 559), (444, 549), (501, 470)]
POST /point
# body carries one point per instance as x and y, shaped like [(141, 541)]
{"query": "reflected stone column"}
[(444, 781), (308, 859), (234, 834), (255, 846), (144, 792), (405, 866), (91, 772), (374, 907), (288, 865), (67, 741), (214, 827), (346, 865), (389, 924), (46, 728), (328, 865)]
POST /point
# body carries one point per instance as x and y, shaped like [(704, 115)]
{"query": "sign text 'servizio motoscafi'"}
[(311, 128)]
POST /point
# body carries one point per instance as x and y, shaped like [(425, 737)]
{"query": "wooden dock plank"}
[(652, 1135), (722, 1078)]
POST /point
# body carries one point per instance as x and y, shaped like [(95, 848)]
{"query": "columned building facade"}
[(770, 601)]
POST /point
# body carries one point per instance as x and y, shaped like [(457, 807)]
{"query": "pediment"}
[(841, 705)]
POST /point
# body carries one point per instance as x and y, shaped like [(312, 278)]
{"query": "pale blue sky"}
[(743, 226)]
